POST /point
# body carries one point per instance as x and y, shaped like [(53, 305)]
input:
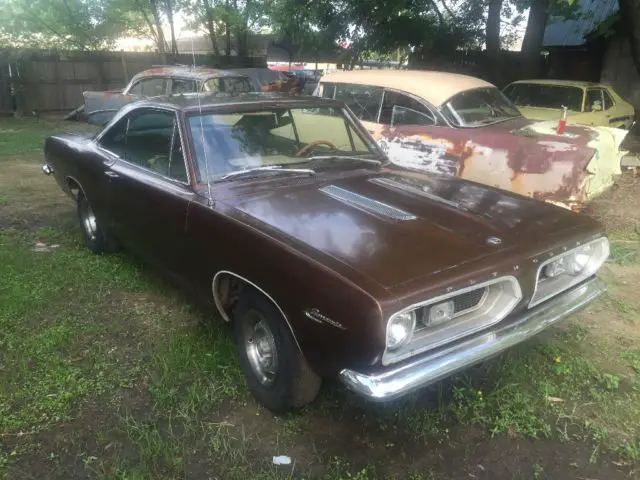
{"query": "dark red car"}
[(329, 260)]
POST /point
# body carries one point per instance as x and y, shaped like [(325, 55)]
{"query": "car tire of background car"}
[(262, 334), (94, 236)]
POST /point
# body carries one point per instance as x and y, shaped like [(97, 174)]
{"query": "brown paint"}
[(308, 250)]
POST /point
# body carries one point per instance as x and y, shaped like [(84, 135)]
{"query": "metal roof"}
[(569, 33), (205, 101)]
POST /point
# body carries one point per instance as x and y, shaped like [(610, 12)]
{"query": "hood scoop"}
[(364, 203)]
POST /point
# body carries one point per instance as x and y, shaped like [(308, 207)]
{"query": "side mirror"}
[(596, 106)]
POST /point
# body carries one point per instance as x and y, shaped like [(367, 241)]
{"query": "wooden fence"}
[(54, 81)]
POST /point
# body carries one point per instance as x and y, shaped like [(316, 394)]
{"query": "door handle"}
[(111, 174)]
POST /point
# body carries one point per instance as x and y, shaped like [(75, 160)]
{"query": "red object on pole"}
[(562, 124)]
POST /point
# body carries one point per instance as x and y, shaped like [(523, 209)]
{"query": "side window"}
[(594, 100), (180, 85), (399, 109), (153, 142), (115, 138), (150, 87), (608, 101), (328, 90), (363, 100)]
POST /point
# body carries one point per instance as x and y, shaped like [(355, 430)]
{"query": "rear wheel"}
[(277, 374), (94, 236)]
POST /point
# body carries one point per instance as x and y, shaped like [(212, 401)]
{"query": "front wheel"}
[(94, 236), (277, 374)]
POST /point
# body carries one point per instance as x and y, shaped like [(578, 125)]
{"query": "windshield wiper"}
[(345, 157), (270, 168)]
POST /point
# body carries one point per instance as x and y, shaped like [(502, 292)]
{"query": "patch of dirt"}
[(619, 208)]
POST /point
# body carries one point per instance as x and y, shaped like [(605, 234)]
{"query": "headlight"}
[(569, 269), (578, 261), (400, 329), (440, 313)]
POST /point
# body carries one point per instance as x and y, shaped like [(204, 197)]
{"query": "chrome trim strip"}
[(365, 203), (567, 284), (226, 318), (388, 384)]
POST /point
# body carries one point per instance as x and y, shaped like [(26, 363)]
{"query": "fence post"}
[(124, 68), (59, 85)]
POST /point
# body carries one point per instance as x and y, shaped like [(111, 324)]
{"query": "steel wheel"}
[(94, 236), (261, 349), (88, 220)]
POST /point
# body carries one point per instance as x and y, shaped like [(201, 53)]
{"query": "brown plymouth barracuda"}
[(461, 125), (328, 259)]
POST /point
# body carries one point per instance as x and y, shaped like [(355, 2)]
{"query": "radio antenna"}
[(204, 145)]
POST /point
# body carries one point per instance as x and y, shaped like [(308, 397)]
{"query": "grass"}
[(107, 371), (27, 135)]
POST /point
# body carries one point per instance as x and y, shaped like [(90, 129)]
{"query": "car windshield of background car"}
[(480, 107)]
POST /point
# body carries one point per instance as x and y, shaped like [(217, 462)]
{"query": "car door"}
[(409, 133), (149, 187)]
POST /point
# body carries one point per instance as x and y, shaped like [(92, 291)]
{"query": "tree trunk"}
[(493, 41), (227, 31), (630, 13), (532, 41), (493, 27), (212, 32), (153, 5), (174, 44)]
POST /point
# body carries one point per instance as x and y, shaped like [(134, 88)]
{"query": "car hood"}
[(395, 226)]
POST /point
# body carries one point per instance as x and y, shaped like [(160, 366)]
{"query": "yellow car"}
[(588, 103)]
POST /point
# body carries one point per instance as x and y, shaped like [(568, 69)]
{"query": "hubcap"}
[(89, 220), (261, 349)]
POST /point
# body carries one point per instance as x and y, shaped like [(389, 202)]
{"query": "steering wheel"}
[(307, 148)]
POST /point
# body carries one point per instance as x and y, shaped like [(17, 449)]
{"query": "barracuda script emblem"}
[(493, 241), (315, 315)]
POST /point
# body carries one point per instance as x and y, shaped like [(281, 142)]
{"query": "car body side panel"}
[(100, 107), (525, 158), (220, 242)]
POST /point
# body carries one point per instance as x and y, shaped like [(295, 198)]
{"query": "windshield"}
[(545, 96), (480, 107), (277, 137)]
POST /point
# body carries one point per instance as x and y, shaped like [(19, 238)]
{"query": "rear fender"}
[(101, 107)]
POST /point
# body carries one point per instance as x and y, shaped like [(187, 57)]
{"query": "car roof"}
[(561, 83), (435, 87), (207, 101), (185, 71)]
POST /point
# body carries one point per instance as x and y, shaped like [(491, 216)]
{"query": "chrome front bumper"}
[(396, 381)]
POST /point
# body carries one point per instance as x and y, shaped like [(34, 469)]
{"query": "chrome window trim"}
[(567, 285), (126, 115), (389, 358)]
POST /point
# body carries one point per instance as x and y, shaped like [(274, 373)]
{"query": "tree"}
[(493, 28), (630, 13), (64, 24)]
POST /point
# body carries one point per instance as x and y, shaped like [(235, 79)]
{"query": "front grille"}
[(365, 203), (468, 300)]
